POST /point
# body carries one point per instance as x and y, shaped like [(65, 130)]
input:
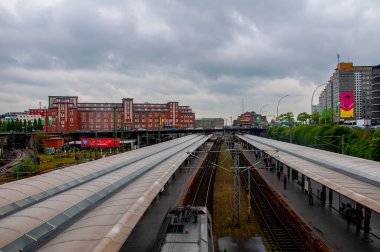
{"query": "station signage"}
[(99, 142)]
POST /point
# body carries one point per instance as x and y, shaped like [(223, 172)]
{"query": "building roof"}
[(355, 178), (96, 203)]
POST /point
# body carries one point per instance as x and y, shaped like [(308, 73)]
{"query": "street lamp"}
[(312, 97), (278, 103)]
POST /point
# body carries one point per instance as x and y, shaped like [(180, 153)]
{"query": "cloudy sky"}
[(210, 55)]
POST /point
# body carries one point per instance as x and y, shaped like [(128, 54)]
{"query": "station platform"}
[(338, 233), (143, 236)]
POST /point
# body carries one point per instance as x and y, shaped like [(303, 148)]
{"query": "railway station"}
[(337, 195), (91, 206), (328, 201)]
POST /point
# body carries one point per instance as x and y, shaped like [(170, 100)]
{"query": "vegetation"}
[(21, 125), (223, 205), (286, 118), (303, 117), (363, 143), (30, 166)]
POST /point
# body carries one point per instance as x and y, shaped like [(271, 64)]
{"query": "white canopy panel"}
[(355, 178), (123, 197)]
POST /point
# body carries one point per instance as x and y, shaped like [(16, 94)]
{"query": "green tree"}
[(4, 126), (303, 117), (315, 117), (17, 125), (29, 126), (24, 125), (39, 124), (35, 124), (11, 125), (287, 118), (375, 148)]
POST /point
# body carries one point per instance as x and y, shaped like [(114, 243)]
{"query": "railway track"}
[(280, 236), (15, 158), (201, 192)]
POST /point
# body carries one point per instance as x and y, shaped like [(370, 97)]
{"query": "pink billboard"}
[(346, 104)]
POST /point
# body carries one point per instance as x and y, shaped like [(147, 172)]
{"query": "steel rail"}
[(261, 196)]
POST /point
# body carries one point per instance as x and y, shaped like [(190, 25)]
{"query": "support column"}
[(236, 213), (367, 219), (359, 216), (323, 195), (303, 181), (330, 196), (288, 173)]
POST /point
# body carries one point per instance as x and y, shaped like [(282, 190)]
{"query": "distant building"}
[(250, 120), (21, 116), (376, 93), (347, 95), (209, 123), (315, 108), (43, 113), (66, 113)]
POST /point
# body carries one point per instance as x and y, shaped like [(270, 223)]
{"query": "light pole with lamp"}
[(278, 103), (312, 97)]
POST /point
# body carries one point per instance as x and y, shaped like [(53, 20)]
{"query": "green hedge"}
[(363, 143)]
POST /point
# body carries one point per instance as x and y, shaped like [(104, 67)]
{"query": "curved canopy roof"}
[(355, 178)]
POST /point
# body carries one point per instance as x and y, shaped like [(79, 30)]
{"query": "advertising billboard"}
[(99, 142), (346, 104)]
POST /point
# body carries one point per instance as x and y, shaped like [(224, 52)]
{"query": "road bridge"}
[(91, 206), (13, 139)]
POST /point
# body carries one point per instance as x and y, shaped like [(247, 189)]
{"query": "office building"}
[(66, 113), (375, 80), (348, 93)]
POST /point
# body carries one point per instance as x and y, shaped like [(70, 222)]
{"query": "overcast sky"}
[(209, 55)]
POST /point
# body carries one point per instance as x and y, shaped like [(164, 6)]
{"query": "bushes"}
[(26, 168), (363, 143)]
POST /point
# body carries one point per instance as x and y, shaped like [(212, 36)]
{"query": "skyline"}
[(205, 55)]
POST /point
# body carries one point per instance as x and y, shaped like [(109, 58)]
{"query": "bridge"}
[(13, 139)]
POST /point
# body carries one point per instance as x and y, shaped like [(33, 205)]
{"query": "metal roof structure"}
[(355, 178), (188, 230), (91, 206)]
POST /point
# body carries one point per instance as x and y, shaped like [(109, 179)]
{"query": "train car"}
[(186, 228)]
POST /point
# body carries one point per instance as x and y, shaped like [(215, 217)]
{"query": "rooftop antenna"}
[(338, 56), (242, 105), (40, 105)]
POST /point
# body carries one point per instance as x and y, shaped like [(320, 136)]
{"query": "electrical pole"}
[(159, 129), (114, 129), (236, 213), (249, 194)]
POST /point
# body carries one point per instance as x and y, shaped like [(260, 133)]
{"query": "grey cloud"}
[(204, 53)]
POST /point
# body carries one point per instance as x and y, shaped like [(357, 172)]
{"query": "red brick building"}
[(250, 120), (65, 113)]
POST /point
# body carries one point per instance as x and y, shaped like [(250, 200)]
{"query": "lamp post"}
[(312, 97), (278, 103)]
